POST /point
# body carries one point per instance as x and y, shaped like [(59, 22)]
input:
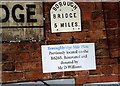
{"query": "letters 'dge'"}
[(65, 17)]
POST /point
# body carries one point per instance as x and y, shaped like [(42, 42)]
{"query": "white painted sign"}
[(65, 17), (68, 57)]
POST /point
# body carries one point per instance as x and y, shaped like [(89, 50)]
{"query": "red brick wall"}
[(100, 24)]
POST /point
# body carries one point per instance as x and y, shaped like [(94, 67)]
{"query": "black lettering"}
[(55, 25), (71, 4), (72, 24), (54, 16), (65, 24), (59, 16), (64, 3), (68, 24), (60, 68), (56, 5), (75, 15), (75, 7), (7, 13), (21, 15), (65, 67), (66, 15), (68, 3), (54, 9), (60, 3), (29, 13), (76, 24), (62, 15), (62, 24), (70, 15)]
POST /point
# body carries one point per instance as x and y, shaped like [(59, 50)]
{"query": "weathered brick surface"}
[(57, 75), (21, 61), (97, 71), (100, 25), (111, 6), (82, 73), (8, 66), (12, 76), (28, 66), (33, 75)]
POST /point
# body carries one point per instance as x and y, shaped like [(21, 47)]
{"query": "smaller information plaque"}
[(68, 57)]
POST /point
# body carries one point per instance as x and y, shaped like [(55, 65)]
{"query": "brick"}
[(102, 44), (97, 15), (115, 69), (33, 75), (35, 56), (114, 53), (99, 25), (47, 18), (5, 77), (119, 23), (106, 61), (47, 76), (110, 6), (69, 74), (29, 46), (55, 42), (36, 46), (19, 66), (112, 33), (86, 16), (22, 56), (111, 23), (25, 47), (62, 36), (12, 76), (7, 57), (113, 42), (81, 80), (111, 14), (48, 6), (119, 68), (57, 75), (8, 66), (50, 36), (85, 25), (6, 47), (98, 5), (97, 34), (81, 35), (110, 78), (96, 72), (119, 32), (47, 26), (102, 52), (93, 79), (107, 69), (82, 73), (86, 6), (28, 66), (79, 41)]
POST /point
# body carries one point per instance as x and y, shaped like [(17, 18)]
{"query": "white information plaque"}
[(68, 57)]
